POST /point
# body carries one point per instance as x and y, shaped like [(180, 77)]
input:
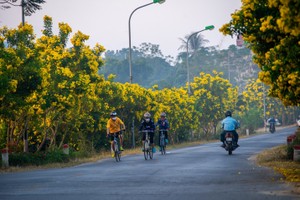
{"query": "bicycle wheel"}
[(117, 153), (150, 152), (118, 156), (146, 150)]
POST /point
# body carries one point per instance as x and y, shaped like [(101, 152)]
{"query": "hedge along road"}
[(199, 172)]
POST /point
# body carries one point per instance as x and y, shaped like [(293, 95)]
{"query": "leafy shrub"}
[(290, 147), (38, 158)]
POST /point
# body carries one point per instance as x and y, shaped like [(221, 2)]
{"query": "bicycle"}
[(162, 141), (117, 147), (148, 149)]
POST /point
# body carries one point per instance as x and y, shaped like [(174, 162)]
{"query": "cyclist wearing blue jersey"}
[(163, 124), (229, 124)]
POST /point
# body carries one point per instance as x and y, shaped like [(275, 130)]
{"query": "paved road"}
[(201, 172)]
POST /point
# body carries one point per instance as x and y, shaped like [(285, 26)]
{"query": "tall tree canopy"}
[(271, 28)]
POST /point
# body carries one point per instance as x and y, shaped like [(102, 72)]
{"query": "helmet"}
[(113, 114), (147, 115), (228, 113), (163, 114)]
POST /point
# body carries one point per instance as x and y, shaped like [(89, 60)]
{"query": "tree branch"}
[(4, 2)]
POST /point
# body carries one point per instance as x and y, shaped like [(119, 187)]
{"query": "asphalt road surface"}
[(199, 172)]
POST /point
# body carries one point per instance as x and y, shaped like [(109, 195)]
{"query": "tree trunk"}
[(45, 134), (25, 135)]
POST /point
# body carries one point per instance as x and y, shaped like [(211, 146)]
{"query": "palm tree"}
[(28, 6), (195, 43)]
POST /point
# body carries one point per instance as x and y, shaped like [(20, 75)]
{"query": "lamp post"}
[(130, 54), (129, 30), (211, 27), (264, 102)]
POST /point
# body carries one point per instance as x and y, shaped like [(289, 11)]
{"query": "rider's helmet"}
[(113, 115), (147, 116), (228, 113), (163, 114)]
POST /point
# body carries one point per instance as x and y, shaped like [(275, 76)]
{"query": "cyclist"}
[(229, 124), (163, 124), (115, 125), (147, 124)]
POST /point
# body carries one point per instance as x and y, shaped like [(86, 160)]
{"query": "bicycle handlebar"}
[(146, 131)]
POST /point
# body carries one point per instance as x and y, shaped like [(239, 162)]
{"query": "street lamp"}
[(130, 54), (129, 29), (211, 27)]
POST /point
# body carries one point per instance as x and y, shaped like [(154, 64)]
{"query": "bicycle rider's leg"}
[(143, 140), (121, 140), (166, 137), (112, 145), (151, 134), (158, 138)]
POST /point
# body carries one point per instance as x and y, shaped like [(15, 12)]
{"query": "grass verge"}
[(276, 158)]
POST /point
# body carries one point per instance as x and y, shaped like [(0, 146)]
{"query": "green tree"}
[(271, 29), (149, 67)]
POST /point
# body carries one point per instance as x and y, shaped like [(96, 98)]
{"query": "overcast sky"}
[(106, 21)]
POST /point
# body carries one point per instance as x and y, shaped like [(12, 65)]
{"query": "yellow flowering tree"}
[(271, 29), (251, 107), (213, 97), (53, 94), (67, 98), (19, 79), (180, 112)]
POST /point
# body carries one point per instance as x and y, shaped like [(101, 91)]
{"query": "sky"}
[(106, 21)]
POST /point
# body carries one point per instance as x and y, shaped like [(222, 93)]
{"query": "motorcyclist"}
[(229, 124), (272, 122), (147, 124), (163, 124)]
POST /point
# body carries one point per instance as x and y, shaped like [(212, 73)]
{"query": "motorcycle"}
[(272, 127), (230, 145)]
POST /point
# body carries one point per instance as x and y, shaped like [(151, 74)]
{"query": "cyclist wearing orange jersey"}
[(115, 125)]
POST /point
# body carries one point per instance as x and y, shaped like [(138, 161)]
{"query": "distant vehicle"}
[(272, 128), (277, 123), (298, 122)]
